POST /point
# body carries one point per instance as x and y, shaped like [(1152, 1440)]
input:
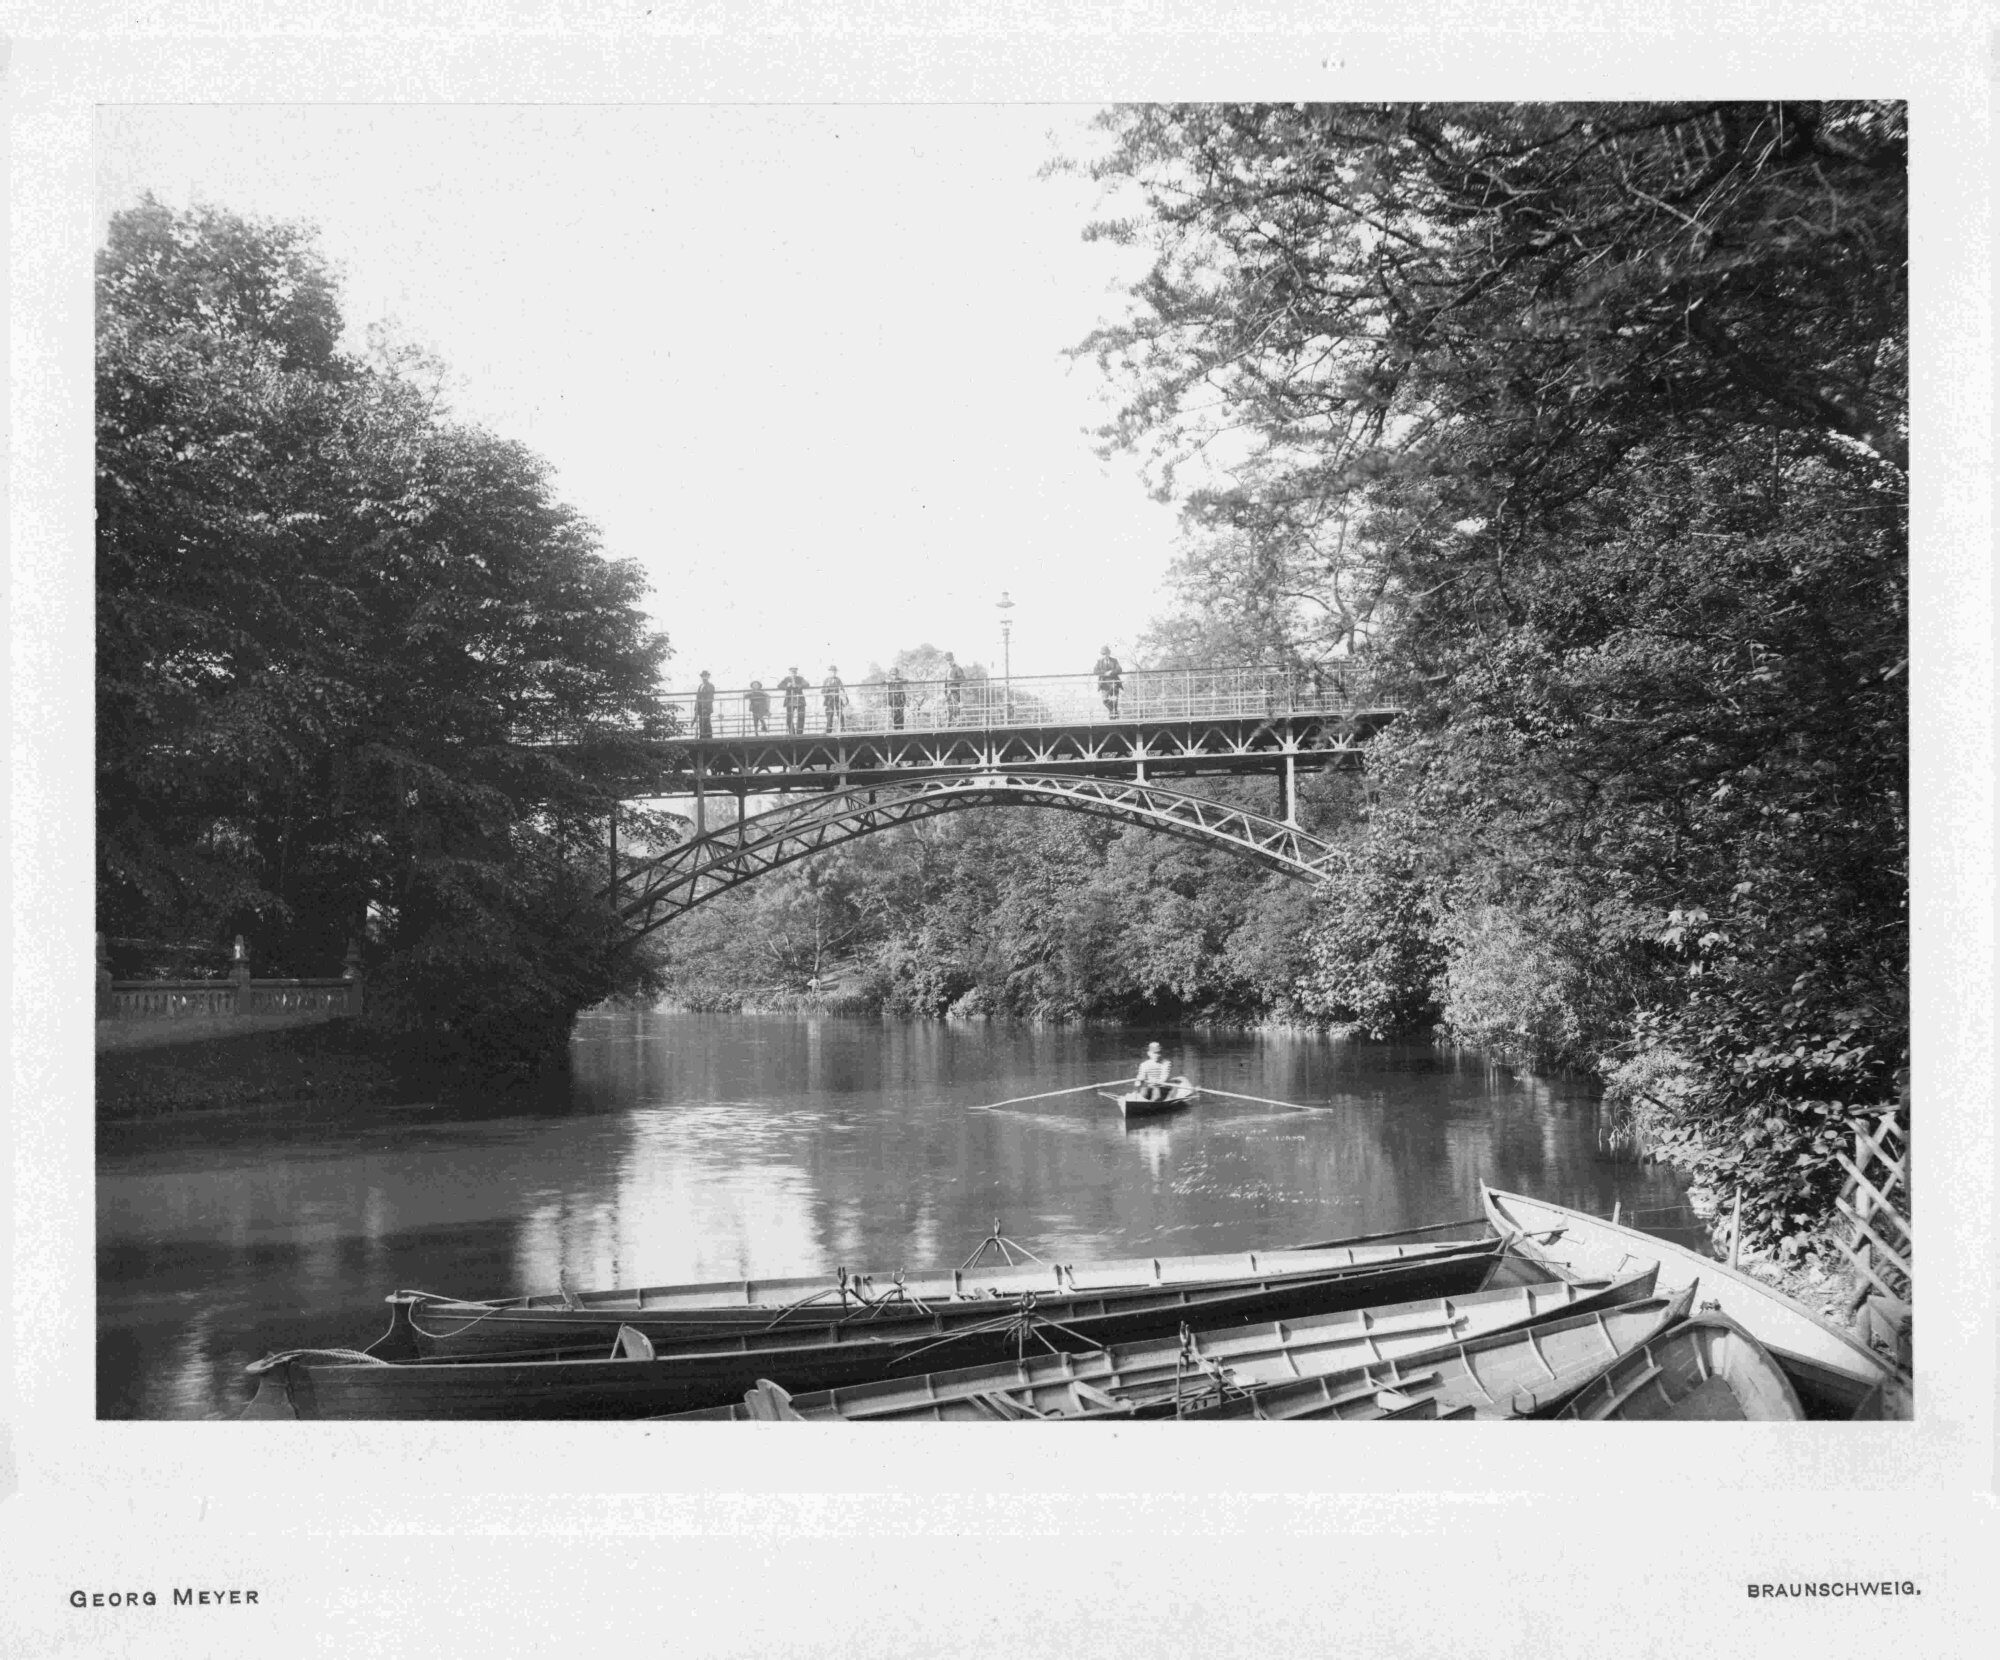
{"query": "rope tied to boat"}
[(1021, 1322), (486, 1312), (1216, 1379), (841, 1291), (899, 1292)]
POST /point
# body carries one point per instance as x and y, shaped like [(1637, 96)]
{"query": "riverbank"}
[(1818, 1277), (301, 1069)]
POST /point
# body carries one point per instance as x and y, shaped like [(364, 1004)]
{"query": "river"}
[(703, 1147)]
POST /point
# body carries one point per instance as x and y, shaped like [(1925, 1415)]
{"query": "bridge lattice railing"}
[(878, 705)]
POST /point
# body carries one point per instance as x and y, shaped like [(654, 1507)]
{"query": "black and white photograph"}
[(744, 744)]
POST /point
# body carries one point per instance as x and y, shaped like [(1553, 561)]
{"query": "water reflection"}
[(713, 1147)]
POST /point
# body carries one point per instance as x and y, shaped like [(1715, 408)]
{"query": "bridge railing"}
[(878, 705)]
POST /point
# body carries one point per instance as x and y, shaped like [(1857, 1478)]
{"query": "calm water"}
[(700, 1147)]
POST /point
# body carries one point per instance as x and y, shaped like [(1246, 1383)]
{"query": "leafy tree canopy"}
[(336, 630), (1586, 426)]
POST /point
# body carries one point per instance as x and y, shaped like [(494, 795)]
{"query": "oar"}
[(1391, 1233), (1261, 1100), (1109, 1083)]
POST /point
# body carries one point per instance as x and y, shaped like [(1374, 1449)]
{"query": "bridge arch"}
[(700, 869)]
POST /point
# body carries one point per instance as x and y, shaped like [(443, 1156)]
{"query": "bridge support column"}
[(700, 802), (1288, 790)]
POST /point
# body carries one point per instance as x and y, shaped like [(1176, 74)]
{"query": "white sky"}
[(803, 362)]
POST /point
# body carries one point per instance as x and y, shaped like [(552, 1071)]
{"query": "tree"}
[(336, 634), (1595, 418)]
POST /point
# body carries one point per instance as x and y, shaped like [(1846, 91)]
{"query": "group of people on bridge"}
[(794, 689)]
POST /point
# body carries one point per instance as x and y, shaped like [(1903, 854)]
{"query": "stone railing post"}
[(352, 970), (239, 974), (107, 1000)]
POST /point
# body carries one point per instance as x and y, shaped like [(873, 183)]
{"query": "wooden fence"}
[(1874, 1230), (239, 994)]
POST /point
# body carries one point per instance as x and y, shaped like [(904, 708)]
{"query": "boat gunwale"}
[(1359, 1381), (1692, 1329), (1058, 1280), (1266, 1340), (1880, 1365), (696, 1353)]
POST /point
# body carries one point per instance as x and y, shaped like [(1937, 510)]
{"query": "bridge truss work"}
[(893, 752), (1151, 724), (660, 889)]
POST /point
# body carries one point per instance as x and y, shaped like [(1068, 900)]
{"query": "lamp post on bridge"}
[(1007, 652)]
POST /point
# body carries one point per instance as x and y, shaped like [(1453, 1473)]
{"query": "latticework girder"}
[(662, 888), (767, 763)]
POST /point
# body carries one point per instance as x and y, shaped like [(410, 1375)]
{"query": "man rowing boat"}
[(1155, 1076)]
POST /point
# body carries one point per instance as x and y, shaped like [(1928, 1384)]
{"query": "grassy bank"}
[(303, 1069)]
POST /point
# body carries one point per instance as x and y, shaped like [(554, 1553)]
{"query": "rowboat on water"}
[(1705, 1368), (1835, 1375), (1166, 1376), (1520, 1372), (641, 1378), (1135, 1103), (425, 1326)]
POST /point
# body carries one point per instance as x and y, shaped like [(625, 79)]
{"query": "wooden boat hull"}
[(1703, 1369), (1834, 1371), (1144, 1377), (1132, 1104), (538, 1328), (1522, 1372), (680, 1377)]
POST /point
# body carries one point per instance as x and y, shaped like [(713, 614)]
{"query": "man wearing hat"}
[(1155, 1076), (834, 692), (794, 688), (704, 707), (1110, 681)]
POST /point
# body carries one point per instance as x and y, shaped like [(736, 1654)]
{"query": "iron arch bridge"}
[(651, 894)]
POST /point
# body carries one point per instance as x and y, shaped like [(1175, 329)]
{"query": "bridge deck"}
[(1136, 749), (1151, 723)]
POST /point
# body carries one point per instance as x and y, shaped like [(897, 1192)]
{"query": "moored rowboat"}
[(809, 1309), (1834, 1372), (645, 1379), (1522, 1372), (1705, 1368), (1170, 1374)]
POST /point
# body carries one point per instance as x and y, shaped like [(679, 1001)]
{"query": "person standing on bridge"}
[(834, 691), (1155, 1076), (1110, 681), (899, 691), (759, 702), (794, 688), (954, 689), (704, 707)]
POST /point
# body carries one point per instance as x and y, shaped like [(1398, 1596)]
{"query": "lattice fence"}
[(1875, 1219)]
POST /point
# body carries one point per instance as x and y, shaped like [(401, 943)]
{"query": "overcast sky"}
[(804, 363)]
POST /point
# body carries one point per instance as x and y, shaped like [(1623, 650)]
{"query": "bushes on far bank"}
[(333, 1065)]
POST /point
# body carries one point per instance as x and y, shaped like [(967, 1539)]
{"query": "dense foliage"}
[(333, 629), (1586, 428), (1023, 913)]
